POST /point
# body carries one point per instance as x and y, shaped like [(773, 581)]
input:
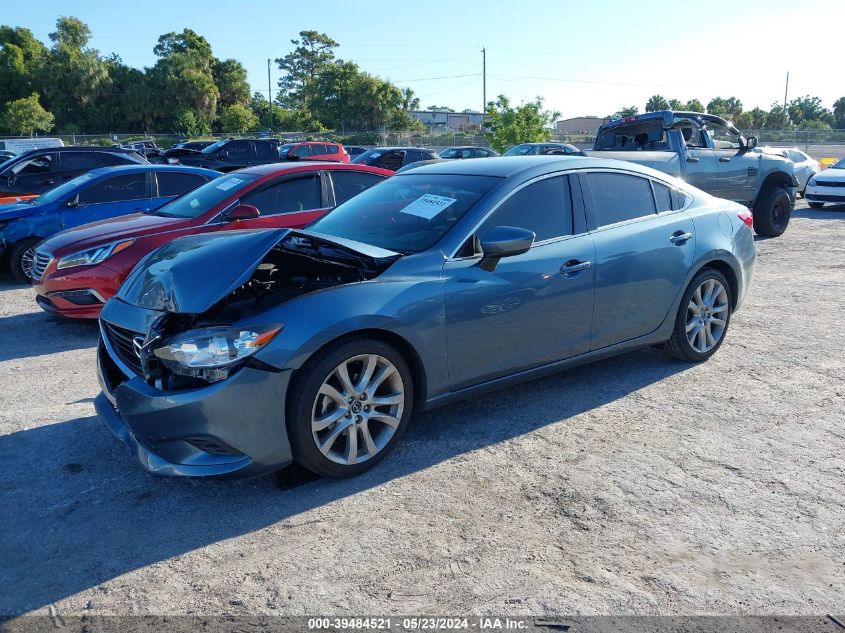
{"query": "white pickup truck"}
[(709, 153)]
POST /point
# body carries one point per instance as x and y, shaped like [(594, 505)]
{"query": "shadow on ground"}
[(77, 511)]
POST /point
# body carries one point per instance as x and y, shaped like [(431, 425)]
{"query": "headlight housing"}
[(812, 181), (93, 255), (212, 353)]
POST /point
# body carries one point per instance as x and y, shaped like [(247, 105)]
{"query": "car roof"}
[(270, 169), (129, 169), (505, 166), (404, 147), (63, 150)]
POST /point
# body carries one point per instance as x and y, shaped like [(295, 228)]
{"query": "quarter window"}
[(117, 189), (620, 197), (79, 160), (544, 207), (288, 196)]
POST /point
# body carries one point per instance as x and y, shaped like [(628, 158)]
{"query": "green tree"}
[(758, 118), (777, 119), (745, 121), (441, 108), (629, 111), (676, 104), (693, 105), (656, 103), (804, 110), (409, 100), (729, 108), (26, 116), (839, 113), (230, 78), (21, 62), (313, 52), (510, 125), (237, 118)]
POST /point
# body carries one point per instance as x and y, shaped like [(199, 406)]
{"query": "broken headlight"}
[(211, 353)]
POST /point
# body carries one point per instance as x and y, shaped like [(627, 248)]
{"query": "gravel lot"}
[(637, 485)]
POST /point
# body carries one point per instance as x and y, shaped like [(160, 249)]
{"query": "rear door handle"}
[(678, 237), (724, 159), (574, 266), (692, 159)]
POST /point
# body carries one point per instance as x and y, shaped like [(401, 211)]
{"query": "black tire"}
[(815, 205), (302, 399), (16, 263), (772, 212), (678, 345)]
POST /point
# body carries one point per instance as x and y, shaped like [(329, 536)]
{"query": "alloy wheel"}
[(358, 409), (28, 261), (707, 314)]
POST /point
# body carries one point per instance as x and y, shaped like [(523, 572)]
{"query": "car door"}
[(266, 152), (108, 198), (172, 184), (237, 154), (288, 202), (738, 169), (642, 255), (534, 308), (72, 164)]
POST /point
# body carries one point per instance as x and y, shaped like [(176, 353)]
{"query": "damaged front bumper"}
[(232, 428)]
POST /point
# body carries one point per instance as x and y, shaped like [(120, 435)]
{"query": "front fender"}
[(39, 226), (412, 309)]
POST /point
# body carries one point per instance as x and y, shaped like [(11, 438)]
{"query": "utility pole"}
[(785, 92), (484, 78), (269, 97)]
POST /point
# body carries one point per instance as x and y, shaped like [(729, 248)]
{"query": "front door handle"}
[(574, 266), (692, 159), (679, 237), (724, 159)]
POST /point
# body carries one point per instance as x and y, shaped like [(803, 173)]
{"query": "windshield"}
[(213, 147), (449, 153), (839, 165), (369, 155), (520, 150), (407, 213), (64, 190), (194, 203)]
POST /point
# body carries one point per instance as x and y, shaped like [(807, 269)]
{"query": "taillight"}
[(746, 216)]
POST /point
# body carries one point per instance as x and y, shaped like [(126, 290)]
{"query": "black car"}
[(39, 170), (467, 151), (393, 158), (232, 154), (354, 150)]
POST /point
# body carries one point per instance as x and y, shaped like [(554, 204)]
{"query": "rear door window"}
[(302, 151), (79, 161), (175, 184), (264, 150), (117, 189), (620, 197), (392, 161), (288, 196), (238, 149)]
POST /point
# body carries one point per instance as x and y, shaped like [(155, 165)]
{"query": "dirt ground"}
[(638, 485)]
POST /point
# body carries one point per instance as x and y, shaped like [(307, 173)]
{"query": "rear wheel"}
[(772, 212), (348, 407), (22, 258), (815, 205), (703, 318)]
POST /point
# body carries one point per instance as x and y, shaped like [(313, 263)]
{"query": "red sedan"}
[(80, 269)]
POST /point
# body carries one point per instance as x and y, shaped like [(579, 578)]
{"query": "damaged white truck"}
[(709, 153)]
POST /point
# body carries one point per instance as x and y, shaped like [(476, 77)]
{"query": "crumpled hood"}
[(192, 273), (17, 211)]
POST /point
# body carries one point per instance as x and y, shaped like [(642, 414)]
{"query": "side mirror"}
[(73, 202), (504, 241), (242, 212), (751, 142)]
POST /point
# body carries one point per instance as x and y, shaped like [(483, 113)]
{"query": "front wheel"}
[(348, 407), (22, 259), (703, 318), (772, 212)]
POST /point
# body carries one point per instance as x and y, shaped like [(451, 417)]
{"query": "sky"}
[(583, 58)]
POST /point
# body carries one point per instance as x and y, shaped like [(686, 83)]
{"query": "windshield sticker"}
[(428, 206), (229, 183)]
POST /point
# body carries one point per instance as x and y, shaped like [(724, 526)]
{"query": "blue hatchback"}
[(99, 194)]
